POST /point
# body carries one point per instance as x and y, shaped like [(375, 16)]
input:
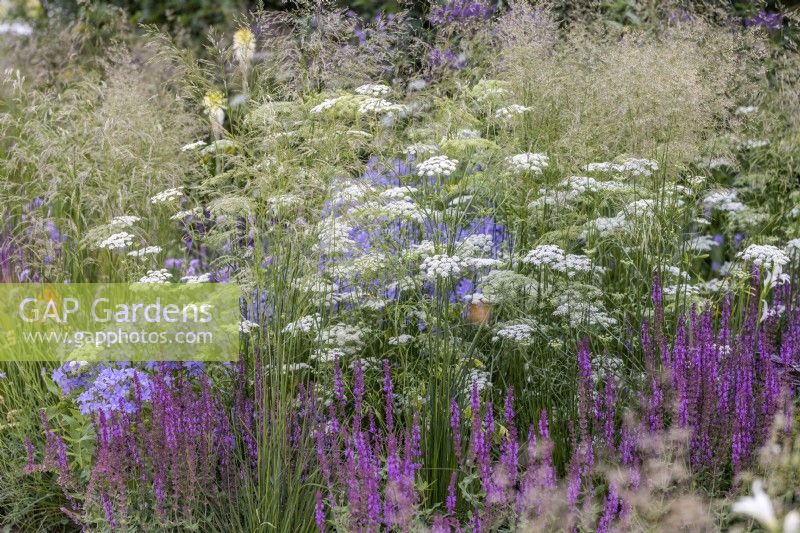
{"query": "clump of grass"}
[(597, 93)]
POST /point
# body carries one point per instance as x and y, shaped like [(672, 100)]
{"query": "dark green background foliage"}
[(196, 16)]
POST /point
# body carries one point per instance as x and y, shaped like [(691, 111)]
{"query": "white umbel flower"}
[(327, 355), (723, 200), (584, 313), (438, 165), (701, 243), (156, 276), (685, 289), (201, 278), (167, 196), (116, 241), (468, 134), (545, 255), (511, 111), (373, 89), (633, 166), (476, 245), (764, 256), (639, 208), (304, 324), (402, 209), (480, 379), (606, 225), (325, 105), (793, 249), (124, 221), (477, 263), (399, 193), (442, 266), (142, 253), (345, 337), (246, 326), (379, 105), (417, 149), (400, 340), (746, 110), (334, 237), (561, 199), (528, 162), (16, 27), (752, 144), (582, 184), (193, 146), (520, 333), (181, 215), (574, 264)]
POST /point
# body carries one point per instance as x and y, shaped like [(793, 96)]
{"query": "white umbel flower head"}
[(402, 209), (168, 196), (528, 162), (701, 243), (438, 165), (476, 245), (793, 249), (399, 193), (584, 313), (633, 166), (764, 256), (468, 134), (379, 105), (606, 225), (156, 276), (746, 110), (417, 149), (304, 324), (545, 255), (123, 239), (373, 89), (183, 214), (124, 221), (511, 111), (520, 333), (574, 264), (442, 266), (200, 278), (345, 337), (752, 144), (246, 326), (400, 339), (480, 379), (142, 253), (327, 355), (723, 200), (16, 27), (325, 105), (193, 146)]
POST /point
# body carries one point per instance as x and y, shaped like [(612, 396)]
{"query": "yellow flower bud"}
[(244, 45)]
